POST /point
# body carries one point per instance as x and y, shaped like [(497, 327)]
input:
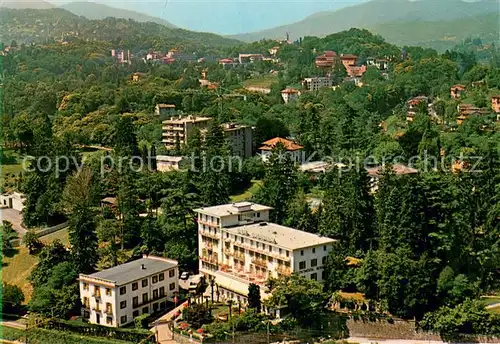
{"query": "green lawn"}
[(490, 300), (248, 193), (17, 269)]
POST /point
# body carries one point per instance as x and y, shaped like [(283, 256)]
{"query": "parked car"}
[(185, 275)]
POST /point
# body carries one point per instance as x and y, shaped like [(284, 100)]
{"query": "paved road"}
[(162, 330), (15, 218)]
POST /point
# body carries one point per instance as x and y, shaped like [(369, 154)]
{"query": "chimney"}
[(143, 267)]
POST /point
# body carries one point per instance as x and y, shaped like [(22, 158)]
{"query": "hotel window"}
[(135, 286), (154, 279), (135, 301), (145, 310), (227, 235), (280, 251), (288, 253), (135, 314), (314, 250), (302, 265), (242, 240), (314, 276), (162, 291), (257, 244), (171, 286), (270, 248), (109, 321), (218, 221), (161, 276), (258, 214), (155, 307), (314, 262), (171, 273), (324, 247), (108, 292), (145, 298), (144, 282), (85, 286), (123, 304), (123, 290), (109, 309), (270, 259), (155, 294), (123, 319), (323, 260), (85, 302), (301, 252), (97, 291)]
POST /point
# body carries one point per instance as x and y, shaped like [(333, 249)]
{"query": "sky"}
[(227, 16)]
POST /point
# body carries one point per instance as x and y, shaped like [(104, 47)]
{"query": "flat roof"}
[(131, 271), (283, 236), (231, 208), (188, 119)]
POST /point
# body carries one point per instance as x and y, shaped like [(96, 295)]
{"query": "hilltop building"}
[(327, 60), (290, 94), (115, 296), (165, 109), (317, 82), (295, 151), (178, 130)]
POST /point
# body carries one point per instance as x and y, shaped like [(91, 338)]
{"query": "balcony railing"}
[(239, 255), (208, 223), (208, 244), (284, 270), (228, 252), (210, 235), (209, 259), (259, 262)]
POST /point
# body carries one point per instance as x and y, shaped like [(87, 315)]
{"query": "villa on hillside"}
[(456, 91), (295, 151), (289, 94)]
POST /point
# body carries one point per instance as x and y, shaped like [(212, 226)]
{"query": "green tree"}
[(31, 241), (12, 298), (254, 297), (279, 185), (8, 235)]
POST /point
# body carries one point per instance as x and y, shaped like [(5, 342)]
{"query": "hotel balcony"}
[(208, 223), (259, 262), (243, 276), (239, 255), (228, 252), (208, 244), (210, 235), (284, 270), (209, 259)]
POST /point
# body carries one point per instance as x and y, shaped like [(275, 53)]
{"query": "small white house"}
[(14, 200)]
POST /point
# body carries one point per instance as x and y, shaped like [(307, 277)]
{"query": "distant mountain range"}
[(87, 9), (92, 10), (384, 16)]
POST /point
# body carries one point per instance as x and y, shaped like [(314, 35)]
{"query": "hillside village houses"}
[(295, 151), (495, 104), (412, 106), (115, 296), (238, 246), (289, 94), (456, 91)]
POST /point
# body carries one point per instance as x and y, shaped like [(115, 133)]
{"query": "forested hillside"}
[(42, 26)]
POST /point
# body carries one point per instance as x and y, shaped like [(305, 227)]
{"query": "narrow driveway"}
[(162, 329), (14, 217)]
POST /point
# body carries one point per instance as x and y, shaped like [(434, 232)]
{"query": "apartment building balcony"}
[(210, 235), (228, 252), (171, 127), (259, 262), (108, 311)]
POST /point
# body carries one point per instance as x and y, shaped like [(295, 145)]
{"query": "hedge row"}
[(45, 336)]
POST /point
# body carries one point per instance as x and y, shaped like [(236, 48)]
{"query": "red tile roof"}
[(348, 56), (290, 90), (458, 87), (289, 145), (398, 169)]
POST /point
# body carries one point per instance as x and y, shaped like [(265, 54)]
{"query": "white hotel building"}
[(115, 296), (238, 246)]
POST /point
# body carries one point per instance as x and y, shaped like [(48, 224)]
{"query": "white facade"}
[(238, 246), (114, 297), (14, 200)]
